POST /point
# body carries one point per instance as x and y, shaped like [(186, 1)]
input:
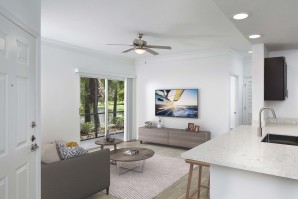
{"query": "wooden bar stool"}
[(200, 165)]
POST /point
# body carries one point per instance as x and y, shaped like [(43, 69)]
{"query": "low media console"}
[(174, 137)]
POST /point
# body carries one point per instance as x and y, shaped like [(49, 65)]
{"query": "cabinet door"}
[(154, 135), (187, 139), (275, 77)]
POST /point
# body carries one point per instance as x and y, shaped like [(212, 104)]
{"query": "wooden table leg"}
[(101, 147), (189, 180), (115, 147)]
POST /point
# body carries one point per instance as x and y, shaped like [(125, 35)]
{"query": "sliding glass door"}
[(115, 106), (101, 108)]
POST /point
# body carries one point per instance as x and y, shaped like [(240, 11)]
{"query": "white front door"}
[(233, 101), (17, 112)]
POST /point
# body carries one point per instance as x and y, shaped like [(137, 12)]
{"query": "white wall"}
[(60, 97), (247, 67), (289, 107), (208, 71), (259, 52), (27, 11)]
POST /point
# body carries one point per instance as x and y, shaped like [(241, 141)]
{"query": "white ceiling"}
[(276, 20), (188, 25)]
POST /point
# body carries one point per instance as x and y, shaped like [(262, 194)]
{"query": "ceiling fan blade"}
[(128, 50), (159, 47), (119, 45), (151, 51)]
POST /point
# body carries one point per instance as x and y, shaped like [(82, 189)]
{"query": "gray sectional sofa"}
[(76, 178)]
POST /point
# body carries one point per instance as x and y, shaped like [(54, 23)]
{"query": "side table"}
[(103, 143)]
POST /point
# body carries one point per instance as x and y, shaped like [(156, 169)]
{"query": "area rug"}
[(159, 173)]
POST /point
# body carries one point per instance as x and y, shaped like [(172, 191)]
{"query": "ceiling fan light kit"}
[(140, 51), (140, 46)]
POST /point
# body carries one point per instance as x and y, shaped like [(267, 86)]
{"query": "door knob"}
[(34, 147)]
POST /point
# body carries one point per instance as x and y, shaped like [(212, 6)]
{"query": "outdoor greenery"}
[(93, 103), (87, 128), (119, 122)]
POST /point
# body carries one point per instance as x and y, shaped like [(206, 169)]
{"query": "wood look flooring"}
[(176, 190)]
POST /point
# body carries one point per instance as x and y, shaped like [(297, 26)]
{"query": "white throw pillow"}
[(49, 153)]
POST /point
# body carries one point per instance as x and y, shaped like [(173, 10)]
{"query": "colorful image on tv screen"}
[(177, 103)]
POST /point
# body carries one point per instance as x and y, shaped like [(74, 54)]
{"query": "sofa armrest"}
[(76, 178)]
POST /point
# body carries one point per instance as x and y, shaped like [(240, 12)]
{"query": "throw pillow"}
[(65, 152), (49, 153), (71, 144)]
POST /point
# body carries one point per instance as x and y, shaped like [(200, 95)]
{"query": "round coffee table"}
[(102, 142), (124, 161)]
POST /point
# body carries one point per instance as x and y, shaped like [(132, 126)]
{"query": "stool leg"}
[(189, 180), (209, 182), (199, 181)]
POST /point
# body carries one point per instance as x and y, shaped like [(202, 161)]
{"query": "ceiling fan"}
[(140, 46)]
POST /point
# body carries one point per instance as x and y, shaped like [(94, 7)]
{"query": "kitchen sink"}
[(281, 139)]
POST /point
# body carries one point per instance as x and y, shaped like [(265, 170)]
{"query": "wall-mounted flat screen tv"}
[(177, 103)]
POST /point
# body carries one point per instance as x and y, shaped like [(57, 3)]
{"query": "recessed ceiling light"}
[(254, 36), (250, 52), (240, 16)]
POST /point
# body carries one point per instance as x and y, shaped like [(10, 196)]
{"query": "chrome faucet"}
[(259, 130)]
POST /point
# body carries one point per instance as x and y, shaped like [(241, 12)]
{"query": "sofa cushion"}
[(65, 152), (49, 153)]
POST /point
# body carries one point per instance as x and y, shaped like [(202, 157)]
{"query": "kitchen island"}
[(242, 166)]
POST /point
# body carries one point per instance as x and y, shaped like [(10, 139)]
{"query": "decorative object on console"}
[(197, 128), (148, 124), (181, 103), (191, 127), (159, 125)]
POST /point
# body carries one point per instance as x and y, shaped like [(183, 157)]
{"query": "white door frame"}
[(16, 21), (237, 98)]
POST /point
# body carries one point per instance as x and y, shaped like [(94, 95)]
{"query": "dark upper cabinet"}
[(275, 79)]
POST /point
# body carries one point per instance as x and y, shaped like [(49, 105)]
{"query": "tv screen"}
[(177, 103)]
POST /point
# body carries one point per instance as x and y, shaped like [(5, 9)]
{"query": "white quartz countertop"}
[(242, 149)]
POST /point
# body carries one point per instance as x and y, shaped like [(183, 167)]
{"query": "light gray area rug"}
[(159, 173)]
